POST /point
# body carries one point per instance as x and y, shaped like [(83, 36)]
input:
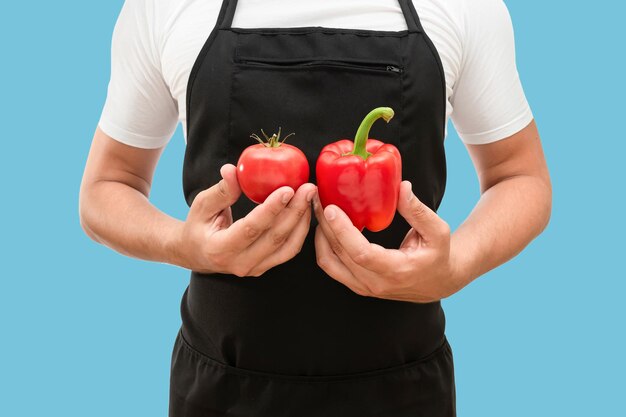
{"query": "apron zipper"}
[(377, 67)]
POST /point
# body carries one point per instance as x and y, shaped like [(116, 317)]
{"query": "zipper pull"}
[(393, 69)]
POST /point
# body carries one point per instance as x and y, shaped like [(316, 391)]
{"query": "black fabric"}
[(208, 388), (295, 320)]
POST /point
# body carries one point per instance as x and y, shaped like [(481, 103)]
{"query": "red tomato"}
[(267, 166)]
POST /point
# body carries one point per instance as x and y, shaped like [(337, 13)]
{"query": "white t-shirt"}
[(156, 42)]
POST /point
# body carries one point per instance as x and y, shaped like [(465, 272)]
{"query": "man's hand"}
[(421, 270), (115, 211), (514, 207), (271, 234)]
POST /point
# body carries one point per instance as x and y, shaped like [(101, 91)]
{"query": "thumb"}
[(210, 202), (426, 222)]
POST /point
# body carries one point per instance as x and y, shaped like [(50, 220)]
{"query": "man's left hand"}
[(422, 270)]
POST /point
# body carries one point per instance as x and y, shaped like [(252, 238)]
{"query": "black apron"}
[(295, 342)]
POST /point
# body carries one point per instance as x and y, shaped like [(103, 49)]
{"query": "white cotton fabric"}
[(156, 42)]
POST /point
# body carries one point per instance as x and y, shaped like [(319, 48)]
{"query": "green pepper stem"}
[(362, 134)]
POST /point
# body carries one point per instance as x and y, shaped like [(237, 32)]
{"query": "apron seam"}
[(324, 31), (339, 378)]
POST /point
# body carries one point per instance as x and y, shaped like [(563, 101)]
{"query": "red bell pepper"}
[(362, 177)]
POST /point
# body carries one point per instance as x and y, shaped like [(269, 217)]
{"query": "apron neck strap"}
[(227, 13), (410, 15), (225, 19)]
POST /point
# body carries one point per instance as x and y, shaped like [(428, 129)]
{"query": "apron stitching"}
[(325, 31), (402, 80), (230, 106), (351, 377)]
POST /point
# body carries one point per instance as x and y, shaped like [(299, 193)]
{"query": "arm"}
[(115, 211), (113, 205), (140, 114), (514, 207), (493, 118), (432, 264)]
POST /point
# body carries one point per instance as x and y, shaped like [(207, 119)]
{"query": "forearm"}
[(121, 217), (508, 216)]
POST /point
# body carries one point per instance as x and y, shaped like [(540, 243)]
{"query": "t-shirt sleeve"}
[(139, 109), (488, 100)]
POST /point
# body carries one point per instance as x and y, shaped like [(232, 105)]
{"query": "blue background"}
[(88, 332)]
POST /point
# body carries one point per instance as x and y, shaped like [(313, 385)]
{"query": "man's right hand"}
[(271, 234)]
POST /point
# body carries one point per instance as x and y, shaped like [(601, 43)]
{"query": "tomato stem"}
[(255, 136), (273, 141)]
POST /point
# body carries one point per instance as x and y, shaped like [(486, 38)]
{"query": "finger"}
[(224, 219), (210, 202), (317, 208), (229, 173), (276, 236), (323, 223), (329, 234), (333, 266), (411, 241), (356, 270), (352, 241), (248, 229), (424, 220), (228, 214), (290, 248), (298, 207), (351, 246)]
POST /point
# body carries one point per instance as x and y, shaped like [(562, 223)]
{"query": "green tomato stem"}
[(271, 141)]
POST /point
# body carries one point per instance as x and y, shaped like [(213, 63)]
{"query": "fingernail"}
[(310, 195), (409, 196), (286, 197), (222, 169), (329, 213)]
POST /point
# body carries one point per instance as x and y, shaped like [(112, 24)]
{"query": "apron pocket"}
[(347, 64), (203, 386), (321, 100)]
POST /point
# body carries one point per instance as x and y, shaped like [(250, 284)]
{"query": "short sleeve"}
[(139, 109), (488, 99)]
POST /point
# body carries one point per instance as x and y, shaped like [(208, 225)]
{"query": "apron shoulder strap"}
[(410, 15), (225, 19)]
